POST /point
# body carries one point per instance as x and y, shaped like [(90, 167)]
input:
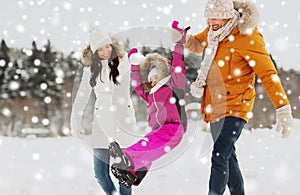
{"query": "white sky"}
[(65, 22)]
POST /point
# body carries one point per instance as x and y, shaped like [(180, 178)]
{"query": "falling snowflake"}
[(252, 63), (47, 100), (144, 143), (178, 69), (2, 63), (231, 38), (34, 119), (237, 72), (38, 176), (67, 5), (167, 148), (181, 102), (172, 100), (208, 109), (44, 86), (221, 63), (35, 156), (13, 85), (6, 112), (37, 62), (250, 114)]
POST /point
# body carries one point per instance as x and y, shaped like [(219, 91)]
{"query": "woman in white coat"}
[(106, 72)]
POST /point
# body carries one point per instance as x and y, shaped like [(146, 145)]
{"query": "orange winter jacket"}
[(229, 87)]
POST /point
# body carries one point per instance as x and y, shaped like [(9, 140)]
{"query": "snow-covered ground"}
[(63, 166)]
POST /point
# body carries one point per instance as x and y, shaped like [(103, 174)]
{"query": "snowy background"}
[(47, 166), (62, 165)]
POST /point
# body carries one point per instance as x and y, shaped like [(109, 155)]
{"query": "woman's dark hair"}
[(96, 67)]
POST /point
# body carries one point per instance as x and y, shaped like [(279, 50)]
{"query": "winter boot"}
[(122, 161), (140, 174), (126, 178), (181, 30)]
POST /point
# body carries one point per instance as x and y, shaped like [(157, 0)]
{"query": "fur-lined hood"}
[(87, 53), (249, 16), (154, 60)]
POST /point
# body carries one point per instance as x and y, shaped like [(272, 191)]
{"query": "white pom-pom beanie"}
[(98, 37), (219, 9)]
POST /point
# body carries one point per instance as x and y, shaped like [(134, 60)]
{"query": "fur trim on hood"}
[(249, 16), (154, 60), (87, 53)]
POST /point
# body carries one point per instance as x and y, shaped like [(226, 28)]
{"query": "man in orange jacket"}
[(233, 53)]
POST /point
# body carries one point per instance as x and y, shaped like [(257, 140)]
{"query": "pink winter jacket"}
[(166, 104)]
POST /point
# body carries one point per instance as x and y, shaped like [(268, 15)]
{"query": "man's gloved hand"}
[(284, 120), (196, 90), (179, 32), (197, 87)]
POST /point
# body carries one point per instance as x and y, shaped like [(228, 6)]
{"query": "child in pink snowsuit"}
[(162, 86)]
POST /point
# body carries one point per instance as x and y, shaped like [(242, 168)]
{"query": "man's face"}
[(216, 24)]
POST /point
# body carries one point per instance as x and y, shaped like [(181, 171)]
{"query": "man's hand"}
[(179, 32), (284, 120)]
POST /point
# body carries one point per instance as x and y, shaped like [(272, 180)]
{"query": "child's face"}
[(153, 80)]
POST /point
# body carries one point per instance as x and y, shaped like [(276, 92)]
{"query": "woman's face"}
[(216, 24), (104, 52)]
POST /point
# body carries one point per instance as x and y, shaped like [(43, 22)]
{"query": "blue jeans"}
[(101, 169), (225, 168)]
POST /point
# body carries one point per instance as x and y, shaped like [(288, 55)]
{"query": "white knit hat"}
[(98, 37), (219, 9)]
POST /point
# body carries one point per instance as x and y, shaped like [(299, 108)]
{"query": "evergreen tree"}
[(41, 69), (4, 61), (192, 64), (127, 45)]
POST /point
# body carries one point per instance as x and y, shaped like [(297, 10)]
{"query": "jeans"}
[(225, 168), (101, 169)]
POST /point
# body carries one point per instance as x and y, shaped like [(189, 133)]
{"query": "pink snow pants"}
[(154, 145)]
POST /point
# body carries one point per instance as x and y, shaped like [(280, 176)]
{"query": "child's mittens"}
[(179, 32), (135, 58)]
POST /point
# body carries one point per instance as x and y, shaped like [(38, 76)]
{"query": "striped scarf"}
[(214, 37)]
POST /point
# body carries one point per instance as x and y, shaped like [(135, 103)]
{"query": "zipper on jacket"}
[(156, 115)]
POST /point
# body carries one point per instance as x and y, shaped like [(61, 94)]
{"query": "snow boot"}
[(140, 174), (122, 161), (126, 178)]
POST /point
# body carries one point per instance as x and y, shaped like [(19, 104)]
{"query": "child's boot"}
[(122, 160)]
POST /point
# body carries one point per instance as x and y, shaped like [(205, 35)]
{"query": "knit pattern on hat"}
[(98, 37), (219, 9)]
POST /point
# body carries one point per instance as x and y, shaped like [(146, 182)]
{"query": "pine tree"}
[(4, 61)]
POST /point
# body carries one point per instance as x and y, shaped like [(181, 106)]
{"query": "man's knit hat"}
[(98, 37), (219, 9)]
